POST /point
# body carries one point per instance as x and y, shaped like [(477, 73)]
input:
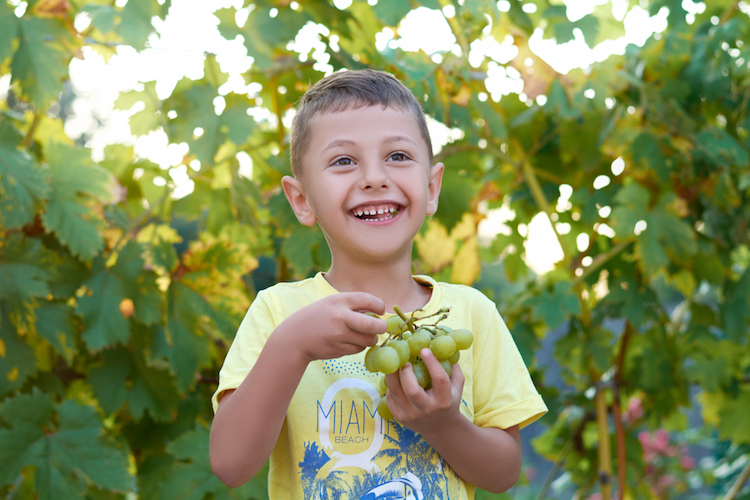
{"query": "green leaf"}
[(139, 285), (195, 109), (135, 22), (556, 305), (74, 179), (736, 308), (390, 12), (648, 155), (55, 325), (40, 65), (300, 246), (103, 322), (125, 375), (455, 195), (182, 340), (17, 358), (734, 424), (191, 477), (666, 238), (67, 455), (23, 186), (716, 147), (22, 280), (9, 24), (149, 118)]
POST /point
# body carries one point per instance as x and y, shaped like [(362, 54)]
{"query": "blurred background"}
[(597, 180)]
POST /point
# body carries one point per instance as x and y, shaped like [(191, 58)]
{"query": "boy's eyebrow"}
[(348, 142)]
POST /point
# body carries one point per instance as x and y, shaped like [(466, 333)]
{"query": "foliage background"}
[(118, 300)]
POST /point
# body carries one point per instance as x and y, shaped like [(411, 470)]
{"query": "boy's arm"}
[(487, 457), (248, 421)]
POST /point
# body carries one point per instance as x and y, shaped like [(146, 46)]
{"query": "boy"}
[(294, 386)]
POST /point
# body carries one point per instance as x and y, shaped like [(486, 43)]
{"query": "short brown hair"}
[(351, 89)]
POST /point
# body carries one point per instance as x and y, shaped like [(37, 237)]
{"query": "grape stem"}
[(409, 321)]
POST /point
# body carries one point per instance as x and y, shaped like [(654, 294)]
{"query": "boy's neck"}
[(393, 283)]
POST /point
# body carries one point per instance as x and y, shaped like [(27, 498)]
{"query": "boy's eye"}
[(399, 156), (343, 161)]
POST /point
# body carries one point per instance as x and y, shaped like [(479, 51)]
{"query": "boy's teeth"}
[(387, 211)]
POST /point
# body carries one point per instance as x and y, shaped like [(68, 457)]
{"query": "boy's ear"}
[(433, 188), (295, 194)]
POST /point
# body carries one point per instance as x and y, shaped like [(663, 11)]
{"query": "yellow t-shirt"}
[(334, 444)]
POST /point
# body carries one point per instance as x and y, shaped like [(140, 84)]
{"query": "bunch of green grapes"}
[(407, 336)]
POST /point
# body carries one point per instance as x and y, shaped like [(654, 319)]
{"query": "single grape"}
[(446, 365), (370, 313), (419, 340), (403, 349), (462, 337), (443, 347), (387, 359), (383, 386), (370, 359), (454, 359), (395, 325), (422, 374), (443, 329), (383, 409)]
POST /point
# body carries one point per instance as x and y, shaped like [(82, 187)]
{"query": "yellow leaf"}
[(13, 374), (435, 247), (710, 405), (2, 348), (467, 264), (463, 96)]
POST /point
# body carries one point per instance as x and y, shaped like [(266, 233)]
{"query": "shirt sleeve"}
[(504, 394), (257, 325)]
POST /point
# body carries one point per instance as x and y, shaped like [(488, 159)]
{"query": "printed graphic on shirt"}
[(356, 454)]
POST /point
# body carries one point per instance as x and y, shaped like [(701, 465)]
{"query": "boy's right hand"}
[(334, 326)]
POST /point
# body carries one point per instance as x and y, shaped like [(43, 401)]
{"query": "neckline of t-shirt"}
[(429, 308)]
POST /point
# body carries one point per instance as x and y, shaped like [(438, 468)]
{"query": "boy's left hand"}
[(425, 411)]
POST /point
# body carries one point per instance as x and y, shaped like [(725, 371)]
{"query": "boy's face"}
[(367, 180)]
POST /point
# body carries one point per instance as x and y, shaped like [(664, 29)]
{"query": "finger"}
[(360, 322), (363, 301), (441, 383)]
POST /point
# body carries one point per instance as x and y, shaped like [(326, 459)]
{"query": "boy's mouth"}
[(376, 212)]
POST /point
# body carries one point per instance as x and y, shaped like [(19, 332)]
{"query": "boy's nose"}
[(374, 175)]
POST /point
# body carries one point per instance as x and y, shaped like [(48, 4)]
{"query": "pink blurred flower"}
[(687, 463)]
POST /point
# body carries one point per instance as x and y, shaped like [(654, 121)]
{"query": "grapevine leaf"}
[(195, 109), (149, 118), (556, 305), (55, 324), (390, 12), (17, 358), (103, 322), (103, 17), (40, 64), (191, 477), (455, 197), (23, 186), (736, 308), (125, 375), (74, 178), (22, 280), (135, 22), (666, 236), (299, 248), (717, 147), (647, 152), (733, 423), (8, 30), (181, 340), (67, 455), (139, 285)]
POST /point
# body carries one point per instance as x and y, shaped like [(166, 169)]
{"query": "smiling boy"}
[(294, 387)]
